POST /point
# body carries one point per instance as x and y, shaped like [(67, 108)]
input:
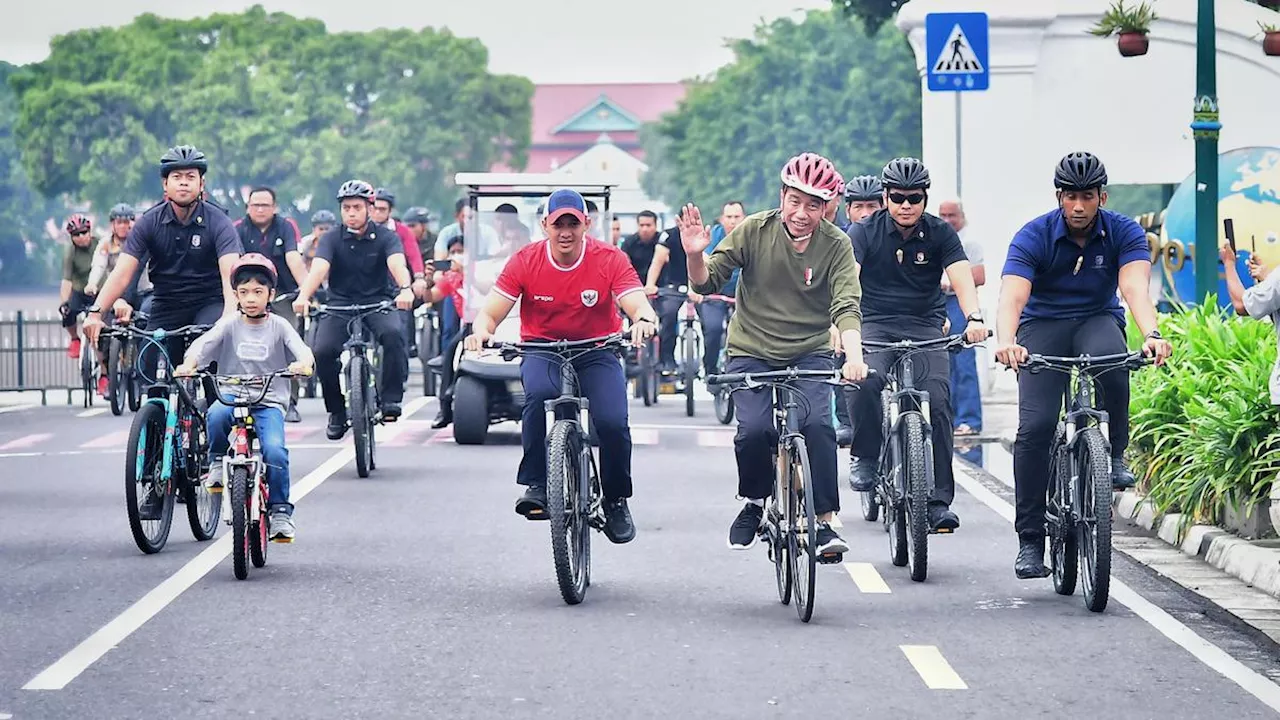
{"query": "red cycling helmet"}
[(840, 185), (78, 224), (812, 174), (253, 261)]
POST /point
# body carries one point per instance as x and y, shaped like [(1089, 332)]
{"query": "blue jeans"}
[(450, 323), (268, 425), (966, 396), (604, 384)]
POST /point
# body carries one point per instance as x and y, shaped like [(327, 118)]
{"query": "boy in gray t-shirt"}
[(254, 342)]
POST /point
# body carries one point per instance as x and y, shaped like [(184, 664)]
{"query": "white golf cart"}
[(488, 389)]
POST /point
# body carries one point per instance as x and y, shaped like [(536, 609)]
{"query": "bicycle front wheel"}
[(801, 528), (239, 487), (144, 487), (1094, 527), (690, 342), (86, 372), (115, 378), (1063, 541), (204, 508), (260, 526), (916, 470), (358, 413), (570, 533)]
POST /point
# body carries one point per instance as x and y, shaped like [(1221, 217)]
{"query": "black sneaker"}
[(337, 426), (533, 504), (743, 532), (942, 519), (862, 474), (828, 541), (390, 412), (442, 419), (1030, 562), (618, 526), (844, 436), (1121, 477), (151, 506)]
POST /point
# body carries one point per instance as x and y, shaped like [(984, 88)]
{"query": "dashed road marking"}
[(110, 440), (866, 578), (934, 669), (26, 441), (91, 412), (15, 408), (644, 436), (713, 438)]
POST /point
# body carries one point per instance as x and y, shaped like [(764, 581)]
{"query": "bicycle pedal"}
[(831, 558), (941, 531), (282, 540), (215, 490)]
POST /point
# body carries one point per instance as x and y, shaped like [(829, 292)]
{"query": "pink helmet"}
[(812, 174)]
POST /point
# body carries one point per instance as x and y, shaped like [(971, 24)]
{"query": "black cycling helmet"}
[(323, 217), (183, 157), (121, 211), (1080, 171), (356, 189), (863, 187), (905, 173), (385, 194), (418, 215)]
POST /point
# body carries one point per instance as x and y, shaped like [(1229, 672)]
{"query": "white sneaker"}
[(282, 528), (213, 483)]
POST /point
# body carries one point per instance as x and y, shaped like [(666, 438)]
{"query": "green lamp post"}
[(1205, 128)]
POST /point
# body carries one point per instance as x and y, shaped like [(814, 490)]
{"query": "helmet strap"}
[(259, 316)]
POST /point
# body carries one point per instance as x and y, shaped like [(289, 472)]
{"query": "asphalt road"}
[(419, 593)]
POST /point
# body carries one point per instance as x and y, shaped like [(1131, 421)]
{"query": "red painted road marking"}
[(25, 441), (111, 440)]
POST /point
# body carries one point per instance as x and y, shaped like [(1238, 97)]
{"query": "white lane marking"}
[(1206, 652), (26, 441), (866, 577), (15, 408), (91, 412), (110, 440), (714, 439), (835, 522), (644, 436), (69, 666), (654, 426), (932, 667)]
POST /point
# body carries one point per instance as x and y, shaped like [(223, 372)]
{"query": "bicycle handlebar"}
[(777, 377), (1131, 360), (613, 341), (946, 342), (367, 308), (720, 298), (210, 381)]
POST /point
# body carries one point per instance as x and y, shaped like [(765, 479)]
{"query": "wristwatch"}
[(1155, 335), (651, 321), (92, 309), (975, 317), (406, 287)]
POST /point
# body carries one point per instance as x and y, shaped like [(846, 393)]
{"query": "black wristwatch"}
[(93, 309), (651, 321), (1155, 335), (406, 287), (975, 317)]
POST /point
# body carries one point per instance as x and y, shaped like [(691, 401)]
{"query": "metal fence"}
[(33, 354)]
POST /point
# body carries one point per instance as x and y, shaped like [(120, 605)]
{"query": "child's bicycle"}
[(245, 494)]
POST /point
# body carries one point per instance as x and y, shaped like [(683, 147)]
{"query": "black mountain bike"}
[(723, 397), (906, 458), (428, 345), (574, 498), (1078, 507), (688, 343), (789, 518), (362, 379)]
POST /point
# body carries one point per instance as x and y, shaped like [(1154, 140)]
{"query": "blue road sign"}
[(956, 45)]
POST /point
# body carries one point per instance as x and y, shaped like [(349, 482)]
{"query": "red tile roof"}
[(554, 104)]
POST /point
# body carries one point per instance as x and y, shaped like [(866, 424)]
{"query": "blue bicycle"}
[(168, 452)]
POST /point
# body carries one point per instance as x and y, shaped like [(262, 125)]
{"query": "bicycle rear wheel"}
[(358, 413), (916, 472), (895, 491), (870, 505), (570, 533), (239, 487), (690, 343), (776, 538), (801, 528), (115, 378), (1095, 519), (1063, 541), (142, 469), (649, 373), (724, 406), (204, 509), (86, 372), (260, 527)]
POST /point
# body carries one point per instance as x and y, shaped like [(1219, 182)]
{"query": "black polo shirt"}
[(358, 263), (182, 258), (640, 253), (677, 270), (902, 277), (279, 239)]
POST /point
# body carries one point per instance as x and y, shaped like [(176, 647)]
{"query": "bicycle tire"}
[(772, 530), (724, 406), (146, 435), (570, 533), (895, 502), (372, 397), (203, 525), (1063, 542), (690, 342), (135, 380), (115, 380), (86, 372), (917, 505), (239, 486), (804, 559), (357, 412), (1095, 536), (870, 505), (260, 527)]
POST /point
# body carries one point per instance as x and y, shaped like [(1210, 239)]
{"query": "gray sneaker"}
[(282, 528), (214, 481)]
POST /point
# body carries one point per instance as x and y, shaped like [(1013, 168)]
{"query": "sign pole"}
[(1205, 127), (959, 154)]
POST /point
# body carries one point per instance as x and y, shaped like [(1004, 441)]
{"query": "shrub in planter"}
[(1270, 38), (1130, 24), (1203, 432)]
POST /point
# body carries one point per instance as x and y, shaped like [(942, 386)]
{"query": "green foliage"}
[(1203, 430), (1122, 19), (819, 85), (272, 99), (22, 210), (873, 13), (1134, 200)]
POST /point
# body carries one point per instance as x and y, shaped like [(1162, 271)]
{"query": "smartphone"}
[(442, 265), (1229, 229)]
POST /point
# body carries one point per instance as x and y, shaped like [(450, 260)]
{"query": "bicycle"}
[(88, 350), (428, 345), (362, 380), (167, 452), (906, 458), (246, 492), (690, 342), (789, 518), (1078, 505), (123, 387), (722, 398), (575, 503)]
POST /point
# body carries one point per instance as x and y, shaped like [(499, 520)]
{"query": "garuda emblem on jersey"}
[(589, 298)]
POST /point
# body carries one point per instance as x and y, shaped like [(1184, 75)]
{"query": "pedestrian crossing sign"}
[(956, 45)]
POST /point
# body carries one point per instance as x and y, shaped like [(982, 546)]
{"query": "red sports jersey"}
[(567, 303)]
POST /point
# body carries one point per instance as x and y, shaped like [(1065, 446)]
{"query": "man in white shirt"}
[(966, 394)]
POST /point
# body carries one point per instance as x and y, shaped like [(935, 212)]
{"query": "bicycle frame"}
[(175, 395)]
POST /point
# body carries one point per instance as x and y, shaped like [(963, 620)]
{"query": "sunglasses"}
[(79, 234), (899, 198)]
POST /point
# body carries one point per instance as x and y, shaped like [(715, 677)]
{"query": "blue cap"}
[(566, 202)]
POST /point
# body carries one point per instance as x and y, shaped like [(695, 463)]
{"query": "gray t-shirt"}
[(1263, 301), (972, 250), (243, 348)]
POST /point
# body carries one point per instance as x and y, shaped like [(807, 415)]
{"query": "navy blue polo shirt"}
[(358, 263), (902, 277), (1069, 281), (182, 258), (279, 239)]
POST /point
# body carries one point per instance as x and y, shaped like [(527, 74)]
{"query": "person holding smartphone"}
[(447, 283)]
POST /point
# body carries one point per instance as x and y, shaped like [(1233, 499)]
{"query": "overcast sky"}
[(613, 40)]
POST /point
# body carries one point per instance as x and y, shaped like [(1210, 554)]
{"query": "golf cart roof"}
[(529, 183)]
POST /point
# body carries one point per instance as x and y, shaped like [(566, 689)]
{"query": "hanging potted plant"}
[(1270, 38), (1129, 24)]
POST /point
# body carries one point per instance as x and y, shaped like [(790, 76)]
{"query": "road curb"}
[(1255, 564)]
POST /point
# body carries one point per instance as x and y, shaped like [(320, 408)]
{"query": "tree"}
[(27, 255), (873, 13), (816, 85), (272, 100)]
